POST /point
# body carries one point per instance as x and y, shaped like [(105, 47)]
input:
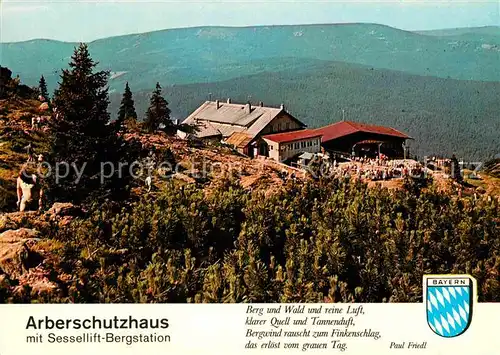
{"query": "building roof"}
[(344, 128), (292, 136), (228, 118), (234, 114), (239, 139), (207, 129)]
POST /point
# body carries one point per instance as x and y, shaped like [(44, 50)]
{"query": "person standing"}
[(29, 151)]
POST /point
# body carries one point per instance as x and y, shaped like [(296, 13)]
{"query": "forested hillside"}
[(208, 54), (478, 32), (377, 74), (444, 116)]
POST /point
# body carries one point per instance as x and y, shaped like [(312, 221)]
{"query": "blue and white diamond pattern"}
[(448, 309)]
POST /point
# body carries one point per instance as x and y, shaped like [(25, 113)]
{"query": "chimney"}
[(249, 107), (261, 104), (217, 104), (228, 100), (282, 106)]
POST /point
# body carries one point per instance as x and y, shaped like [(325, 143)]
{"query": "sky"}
[(85, 21)]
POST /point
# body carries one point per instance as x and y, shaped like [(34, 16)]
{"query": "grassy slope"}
[(489, 183), (13, 138), (444, 116)]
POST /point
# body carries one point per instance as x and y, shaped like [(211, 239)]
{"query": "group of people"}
[(379, 161), (376, 169), (31, 154), (38, 122), (28, 184)]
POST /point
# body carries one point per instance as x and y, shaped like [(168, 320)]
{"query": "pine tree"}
[(158, 112), (42, 86), (82, 136), (127, 109)]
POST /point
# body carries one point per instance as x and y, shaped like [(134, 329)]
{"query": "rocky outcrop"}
[(22, 268), (38, 280), (26, 259), (16, 220), (184, 177), (60, 214), (64, 209), (15, 255), (63, 213), (6, 222)]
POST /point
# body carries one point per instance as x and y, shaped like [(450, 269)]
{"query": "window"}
[(297, 146), (302, 144)]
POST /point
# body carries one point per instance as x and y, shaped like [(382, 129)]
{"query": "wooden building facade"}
[(241, 125)]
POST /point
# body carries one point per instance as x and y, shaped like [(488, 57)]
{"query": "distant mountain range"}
[(208, 54), (480, 32), (428, 83)]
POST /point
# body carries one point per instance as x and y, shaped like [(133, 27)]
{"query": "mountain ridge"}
[(435, 32), (461, 30), (201, 50)]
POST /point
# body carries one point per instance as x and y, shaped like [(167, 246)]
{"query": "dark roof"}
[(292, 136), (344, 128)]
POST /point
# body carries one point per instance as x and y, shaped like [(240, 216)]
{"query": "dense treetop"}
[(82, 133), (127, 108), (326, 241)]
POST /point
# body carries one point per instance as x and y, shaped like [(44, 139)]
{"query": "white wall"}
[(288, 150)]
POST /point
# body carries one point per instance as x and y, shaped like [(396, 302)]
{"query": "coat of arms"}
[(449, 300)]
